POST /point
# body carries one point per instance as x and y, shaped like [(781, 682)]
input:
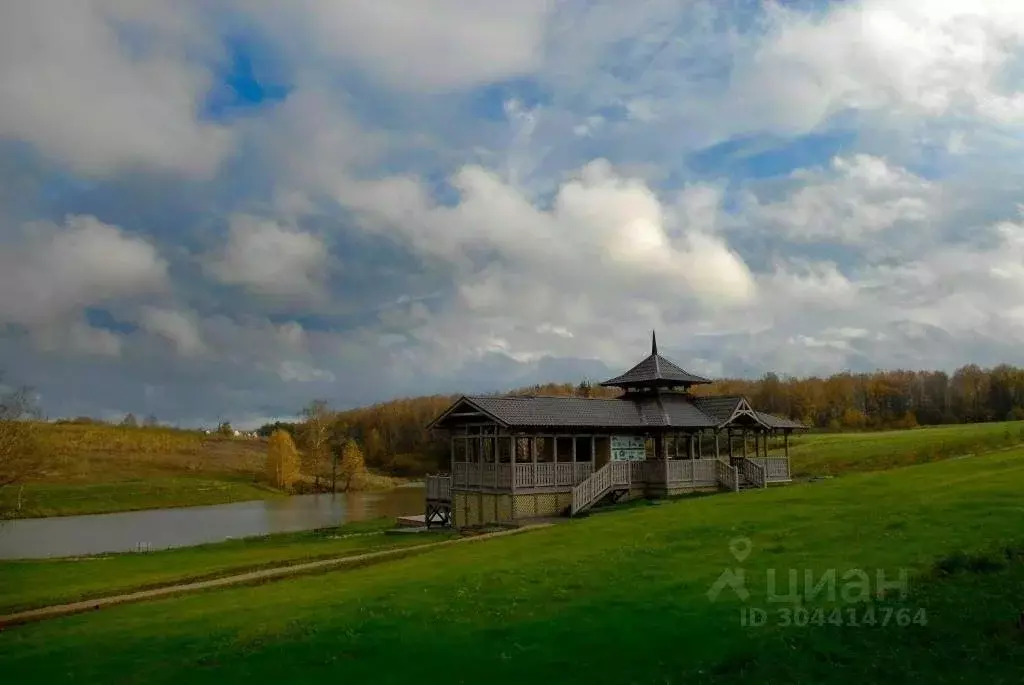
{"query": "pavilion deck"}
[(673, 473)]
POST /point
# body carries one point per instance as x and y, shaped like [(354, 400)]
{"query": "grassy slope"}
[(613, 598), (30, 584), (96, 469), (818, 454)]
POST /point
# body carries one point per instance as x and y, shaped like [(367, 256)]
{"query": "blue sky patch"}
[(754, 157), (242, 83)]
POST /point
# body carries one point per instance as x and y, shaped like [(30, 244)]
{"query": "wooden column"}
[(700, 448), (451, 457), (717, 454), (744, 443), (574, 455), (729, 435)]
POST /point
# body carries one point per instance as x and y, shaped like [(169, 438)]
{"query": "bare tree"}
[(316, 437), (21, 456)]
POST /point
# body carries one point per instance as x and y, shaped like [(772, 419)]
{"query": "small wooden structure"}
[(514, 457)]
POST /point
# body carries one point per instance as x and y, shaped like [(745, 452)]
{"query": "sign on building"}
[(628, 448)]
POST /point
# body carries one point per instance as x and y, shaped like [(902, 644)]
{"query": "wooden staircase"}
[(614, 478)]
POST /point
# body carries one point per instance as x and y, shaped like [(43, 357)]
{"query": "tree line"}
[(393, 437)]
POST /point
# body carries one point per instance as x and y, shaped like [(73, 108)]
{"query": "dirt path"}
[(58, 610)]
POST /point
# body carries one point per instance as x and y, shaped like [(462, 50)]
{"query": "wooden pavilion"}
[(515, 457)]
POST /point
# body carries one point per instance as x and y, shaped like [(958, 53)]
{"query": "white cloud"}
[(56, 271), (177, 327), (269, 259), (852, 201), (74, 86), (891, 58), (436, 46)]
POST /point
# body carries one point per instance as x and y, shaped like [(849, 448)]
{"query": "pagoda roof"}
[(655, 371)]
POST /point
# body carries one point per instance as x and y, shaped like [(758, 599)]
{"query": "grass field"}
[(820, 454), (31, 584), (619, 597)]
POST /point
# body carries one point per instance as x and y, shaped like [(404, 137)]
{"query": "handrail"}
[(439, 487), (727, 475), (614, 473), (753, 472)]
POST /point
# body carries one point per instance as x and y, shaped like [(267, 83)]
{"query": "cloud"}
[(851, 201), (448, 44), (54, 271), (107, 85), (270, 260), (174, 326)]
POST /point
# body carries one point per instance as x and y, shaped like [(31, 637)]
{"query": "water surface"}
[(162, 528)]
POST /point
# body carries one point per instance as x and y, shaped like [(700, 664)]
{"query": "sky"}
[(223, 209)]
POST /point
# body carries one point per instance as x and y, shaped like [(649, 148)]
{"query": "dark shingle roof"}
[(654, 411), (720, 408), (773, 421), (655, 370)]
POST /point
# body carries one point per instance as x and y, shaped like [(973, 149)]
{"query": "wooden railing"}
[(776, 469), (500, 476), (753, 473), (439, 487), (705, 472), (727, 475), (611, 475), (695, 472)]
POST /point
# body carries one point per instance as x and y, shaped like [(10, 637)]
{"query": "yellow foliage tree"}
[(352, 469), (282, 460)]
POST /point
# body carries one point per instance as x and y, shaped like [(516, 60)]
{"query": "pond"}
[(162, 528)]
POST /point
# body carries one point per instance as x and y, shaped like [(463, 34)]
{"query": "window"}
[(523, 451), (504, 450)]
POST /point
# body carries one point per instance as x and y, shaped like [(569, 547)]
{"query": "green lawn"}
[(30, 584), (818, 454), (613, 598), (68, 499)]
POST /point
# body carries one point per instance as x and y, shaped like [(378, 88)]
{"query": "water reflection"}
[(163, 528)]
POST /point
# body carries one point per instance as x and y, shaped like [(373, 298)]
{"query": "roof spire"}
[(654, 342)]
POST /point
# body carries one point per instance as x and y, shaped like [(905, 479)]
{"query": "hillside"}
[(95, 468), (618, 597)]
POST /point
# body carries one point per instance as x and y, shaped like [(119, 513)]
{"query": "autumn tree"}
[(129, 421), (352, 468), (150, 421), (224, 428), (375, 451), (316, 437), (282, 460), (21, 456)]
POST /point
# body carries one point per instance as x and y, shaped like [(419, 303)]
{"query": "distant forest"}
[(394, 440)]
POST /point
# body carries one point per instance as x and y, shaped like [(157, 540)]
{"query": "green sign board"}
[(628, 448)]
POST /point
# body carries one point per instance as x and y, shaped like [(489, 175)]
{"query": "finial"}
[(654, 342)]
